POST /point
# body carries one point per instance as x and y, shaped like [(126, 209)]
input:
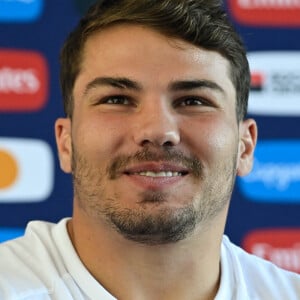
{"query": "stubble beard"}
[(152, 223)]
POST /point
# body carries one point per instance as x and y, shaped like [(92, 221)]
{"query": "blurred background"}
[(265, 212)]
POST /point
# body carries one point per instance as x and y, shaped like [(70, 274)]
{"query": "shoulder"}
[(28, 264), (261, 278), (36, 235), (34, 245)]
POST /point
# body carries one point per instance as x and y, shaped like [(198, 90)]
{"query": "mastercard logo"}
[(10, 165), (26, 170)]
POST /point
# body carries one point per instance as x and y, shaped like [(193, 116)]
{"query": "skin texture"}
[(144, 102)]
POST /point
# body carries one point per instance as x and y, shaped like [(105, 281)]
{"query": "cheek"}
[(97, 136), (212, 141)]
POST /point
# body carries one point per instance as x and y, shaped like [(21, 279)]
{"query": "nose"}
[(156, 125)]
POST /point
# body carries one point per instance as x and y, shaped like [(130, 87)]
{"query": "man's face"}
[(154, 144)]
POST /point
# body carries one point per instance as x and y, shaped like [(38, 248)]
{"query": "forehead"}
[(146, 55)]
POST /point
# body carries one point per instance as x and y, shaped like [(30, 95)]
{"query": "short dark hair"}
[(203, 23)]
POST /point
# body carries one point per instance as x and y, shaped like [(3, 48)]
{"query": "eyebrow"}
[(186, 85), (178, 85), (118, 82)]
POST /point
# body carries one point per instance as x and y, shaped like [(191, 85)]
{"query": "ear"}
[(247, 143), (64, 143)]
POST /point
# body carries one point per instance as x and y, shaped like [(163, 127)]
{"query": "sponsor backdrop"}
[(265, 213)]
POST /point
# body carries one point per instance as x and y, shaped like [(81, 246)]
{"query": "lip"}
[(155, 183), (155, 167)]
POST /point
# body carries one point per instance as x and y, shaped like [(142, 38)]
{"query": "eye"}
[(116, 100), (190, 101)]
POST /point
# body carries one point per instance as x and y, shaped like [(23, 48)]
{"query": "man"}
[(155, 93)]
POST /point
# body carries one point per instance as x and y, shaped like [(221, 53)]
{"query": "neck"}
[(188, 269)]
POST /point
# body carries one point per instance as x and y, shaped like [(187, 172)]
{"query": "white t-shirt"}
[(43, 265)]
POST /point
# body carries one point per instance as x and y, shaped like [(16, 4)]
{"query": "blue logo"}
[(20, 10), (10, 233), (276, 173)]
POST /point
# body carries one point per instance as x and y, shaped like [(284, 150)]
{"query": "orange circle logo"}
[(8, 169)]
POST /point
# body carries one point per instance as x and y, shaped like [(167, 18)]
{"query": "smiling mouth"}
[(159, 174), (164, 172), (156, 176)]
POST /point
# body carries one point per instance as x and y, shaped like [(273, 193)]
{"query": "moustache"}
[(119, 163)]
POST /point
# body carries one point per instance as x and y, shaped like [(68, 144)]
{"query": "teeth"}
[(159, 174)]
